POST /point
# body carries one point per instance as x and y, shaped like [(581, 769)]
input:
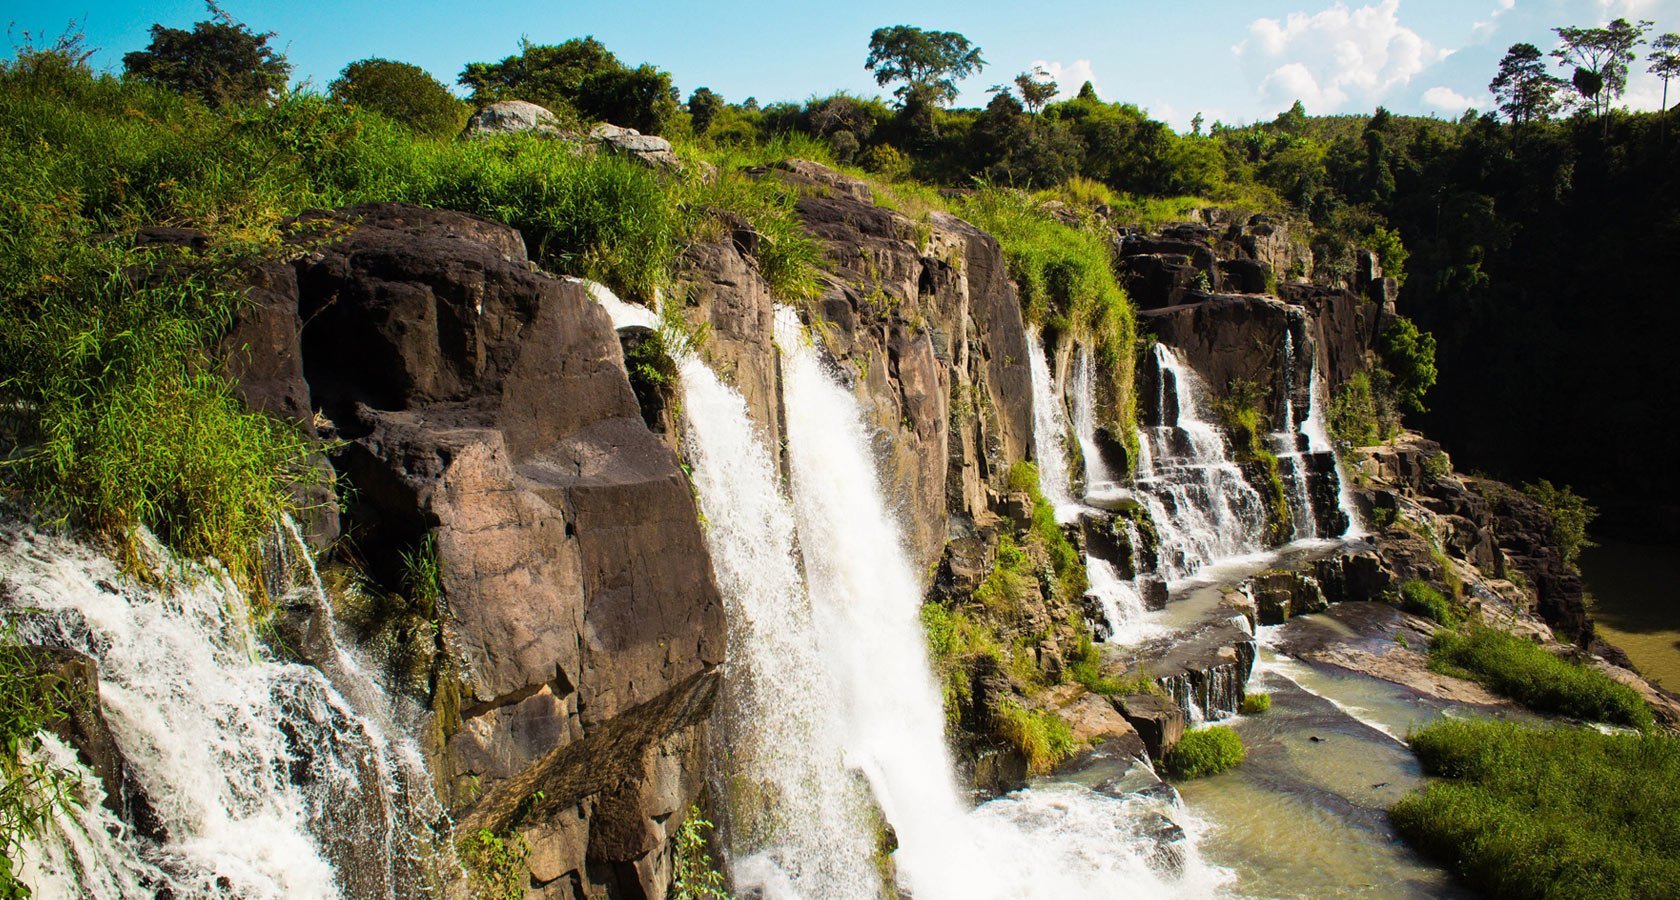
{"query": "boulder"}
[(1281, 593), (650, 150), (1158, 720), (511, 117)]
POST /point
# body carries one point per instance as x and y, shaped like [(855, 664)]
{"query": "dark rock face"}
[(1522, 526), (1158, 720), (932, 331), (1281, 593), (486, 406)]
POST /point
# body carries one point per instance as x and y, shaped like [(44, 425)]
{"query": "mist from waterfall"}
[(266, 778)]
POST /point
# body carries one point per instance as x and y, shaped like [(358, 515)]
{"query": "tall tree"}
[(703, 106), (220, 61), (580, 75), (1665, 64), (930, 63), (1525, 90), (401, 92), (1604, 54), (1037, 88)]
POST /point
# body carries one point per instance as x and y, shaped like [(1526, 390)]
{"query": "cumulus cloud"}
[(1070, 76), (1335, 57), (1447, 99)]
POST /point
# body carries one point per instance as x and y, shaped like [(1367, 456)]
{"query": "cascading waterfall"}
[(1070, 842), (1318, 441), (1050, 434), (264, 777), (1287, 445), (1202, 507)]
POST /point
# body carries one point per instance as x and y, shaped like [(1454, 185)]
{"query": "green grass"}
[(1416, 596), (1525, 672), (1553, 813), (1205, 751), (1046, 536), (1255, 703), (118, 409), (1041, 736), (1067, 286)]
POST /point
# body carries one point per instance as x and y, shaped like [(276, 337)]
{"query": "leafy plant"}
[(1043, 737), (495, 863), (31, 789), (401, 92), (1527, 673), (1571, 515), (1255, 703), (220, 61), (1418, 597), (1203, 752), (695, 873)]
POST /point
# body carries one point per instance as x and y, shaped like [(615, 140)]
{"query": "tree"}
[(1196, 124), (1604, 54), (1525, 90), (1665, 64), (1037, 88), (930, 63), (703, 106), (1409, 355), (220, 61), (582, 76), (400, 92)]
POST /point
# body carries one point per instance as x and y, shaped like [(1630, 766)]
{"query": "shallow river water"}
[(1638, 605)]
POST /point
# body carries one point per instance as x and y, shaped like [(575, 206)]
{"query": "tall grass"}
[(1525, 672), (1552, 813)]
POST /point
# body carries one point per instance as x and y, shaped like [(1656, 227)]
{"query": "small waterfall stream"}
[(266, 779), (1050, 434)]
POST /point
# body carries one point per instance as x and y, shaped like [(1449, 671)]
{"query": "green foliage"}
[(403, 93), (219, 62), (1437, 465), (956, 642), (31, 790), (695, 875), (1418, 597), (1255, 703), (704, 105), (1525, 90), (1527, 673), (1409, 355), (1552, 813), (495, 864), (1045, 536), (930, 63), (1205, 751), (1571, 515), (1085, 668), (1043, 737), (580, 76), (1362, 413)]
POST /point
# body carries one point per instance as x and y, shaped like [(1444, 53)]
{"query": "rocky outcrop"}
[(650, 150), (925, 318), (485, 418), (512, 117), (721, 290), (1281, 593)]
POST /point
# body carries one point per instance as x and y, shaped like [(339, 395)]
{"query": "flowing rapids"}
[(266, 778)]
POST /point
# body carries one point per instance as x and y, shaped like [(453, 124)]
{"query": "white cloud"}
[(1482, 30), (1337, 56), (1448, 100), (1070, 76)]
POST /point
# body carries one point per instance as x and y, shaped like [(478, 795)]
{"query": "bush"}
[(1571, 514), (1409, 355), (1417, 597), (1205, 751), (1561, 812), (403, 93), (1254, 704), (1041, 736), (1525, 672)]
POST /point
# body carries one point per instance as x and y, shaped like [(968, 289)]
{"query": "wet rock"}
[(1158, 721), (721, 289), (1281, 593)]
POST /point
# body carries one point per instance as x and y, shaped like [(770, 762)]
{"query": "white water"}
[(1098, 477), (1318, 441), (810, 833), (1050, 434), (1202, 507), (268, 780), (866, 598)]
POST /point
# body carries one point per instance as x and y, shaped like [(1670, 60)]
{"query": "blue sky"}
[(1232, 60)]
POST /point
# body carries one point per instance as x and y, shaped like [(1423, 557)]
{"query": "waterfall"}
[(1318, 441), (810, 834), (866, 599), (264, 777), (1203, 508), (1050, 434)]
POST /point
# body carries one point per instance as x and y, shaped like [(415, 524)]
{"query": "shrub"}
[(695, 874), (1255, 703), (30, 788), (1416, 596), (1571, 514), (1043, 737), (403, 93), (1525, 672), (1559, 812), (495, 864), (1205, 751), (1409, 355)]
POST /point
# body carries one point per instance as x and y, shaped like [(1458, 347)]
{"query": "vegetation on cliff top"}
[(1556, 813)]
